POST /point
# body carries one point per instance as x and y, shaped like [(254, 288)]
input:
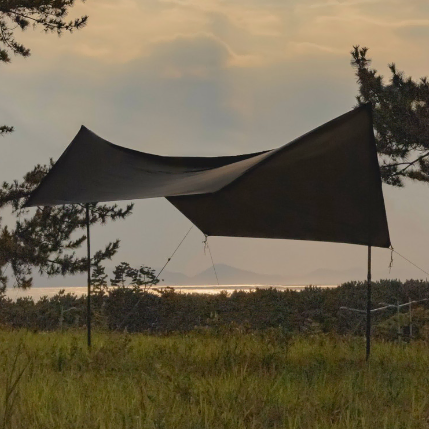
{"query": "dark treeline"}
[(163, 311)]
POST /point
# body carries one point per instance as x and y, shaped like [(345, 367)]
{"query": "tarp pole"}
[(88, 298), (368, 307), (411, 320)]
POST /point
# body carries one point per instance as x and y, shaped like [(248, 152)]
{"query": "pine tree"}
[(48, 238), (120, 274), (401, 119), (99, 279), (143, 277), (20, 14), (138, 277)]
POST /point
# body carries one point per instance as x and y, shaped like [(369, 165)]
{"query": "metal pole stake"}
[(398, 315), (368, 307), (411, 320), (88, 298)]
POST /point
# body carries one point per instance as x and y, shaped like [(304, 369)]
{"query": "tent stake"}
[(368, 307), (88, 298)]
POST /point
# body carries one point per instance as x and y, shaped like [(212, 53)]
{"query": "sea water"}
[(37, 292)]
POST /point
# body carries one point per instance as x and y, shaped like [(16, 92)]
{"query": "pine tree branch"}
[(54, 24), (47, 14), (408, 164), (5, 129), (43, 239)]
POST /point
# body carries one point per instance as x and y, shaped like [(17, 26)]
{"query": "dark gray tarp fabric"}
[(323, 186)]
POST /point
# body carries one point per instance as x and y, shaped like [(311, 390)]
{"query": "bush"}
[(164, 310)]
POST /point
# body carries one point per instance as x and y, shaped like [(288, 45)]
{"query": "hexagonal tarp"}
[(323, 186)]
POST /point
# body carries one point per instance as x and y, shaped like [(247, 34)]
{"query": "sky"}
[(207, 78)]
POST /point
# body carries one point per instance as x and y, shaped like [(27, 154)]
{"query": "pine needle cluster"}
[(401, 119)]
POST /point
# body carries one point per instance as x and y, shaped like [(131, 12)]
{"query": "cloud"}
[(414, 34), (257, 19), (250, 34), (399, 23), (198, 55), (344, 3), (305, 48)]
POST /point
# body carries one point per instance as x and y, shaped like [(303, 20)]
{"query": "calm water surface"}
[(37, 292)]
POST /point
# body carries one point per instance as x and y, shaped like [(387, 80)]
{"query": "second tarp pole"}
[(88, 298), (368, 307)]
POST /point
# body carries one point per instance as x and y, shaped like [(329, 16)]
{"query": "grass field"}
[(202, 380)]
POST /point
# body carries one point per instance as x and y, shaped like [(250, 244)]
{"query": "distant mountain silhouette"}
[(234, 276), (227, 275), (322, 276)]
